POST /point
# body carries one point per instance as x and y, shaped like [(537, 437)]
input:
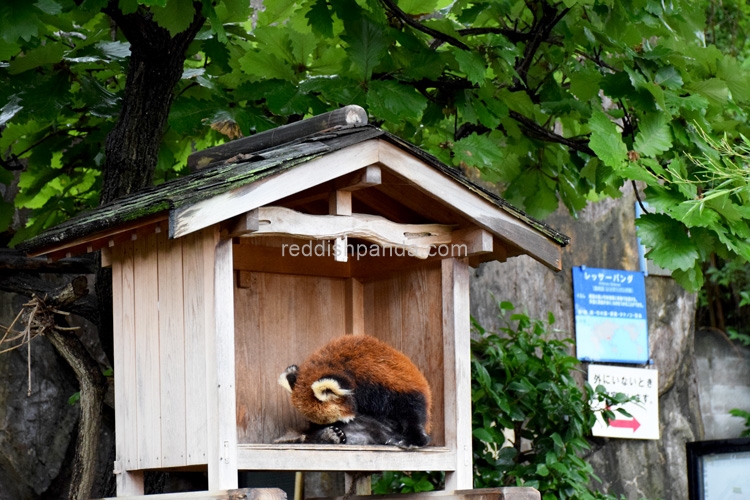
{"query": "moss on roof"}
[(222, 177)]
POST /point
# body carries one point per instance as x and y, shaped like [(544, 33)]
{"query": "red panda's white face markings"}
[(327, 389), (334, 409)]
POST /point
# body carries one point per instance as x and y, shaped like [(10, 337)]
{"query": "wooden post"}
[(354, 306), (129, 482), (222, 427), (357, 483), (457, 365)]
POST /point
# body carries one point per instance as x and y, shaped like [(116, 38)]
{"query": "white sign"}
[(640, 382)]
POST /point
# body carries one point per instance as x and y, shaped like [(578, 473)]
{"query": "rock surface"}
[(35, 429)]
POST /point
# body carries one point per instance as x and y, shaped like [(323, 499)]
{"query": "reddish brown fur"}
[(366, 359)]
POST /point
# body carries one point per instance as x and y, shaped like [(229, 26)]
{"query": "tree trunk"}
[(156, 65), (132, 149), (93, 388)]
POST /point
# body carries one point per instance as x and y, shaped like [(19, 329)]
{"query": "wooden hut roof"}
[(187, 202)]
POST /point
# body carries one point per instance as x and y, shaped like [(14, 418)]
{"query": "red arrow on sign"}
[(626, 424)]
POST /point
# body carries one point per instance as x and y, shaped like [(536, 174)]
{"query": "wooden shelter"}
[(274, 245)]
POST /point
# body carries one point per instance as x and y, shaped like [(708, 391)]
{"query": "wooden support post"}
[(340, 203), (221, 404), (357, 483), (355, 307), (363, 178), (457, 366), (129, 482)]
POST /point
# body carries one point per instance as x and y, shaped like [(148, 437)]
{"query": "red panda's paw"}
[(331, 435)]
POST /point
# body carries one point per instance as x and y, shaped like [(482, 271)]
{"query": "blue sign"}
[(610, 315)]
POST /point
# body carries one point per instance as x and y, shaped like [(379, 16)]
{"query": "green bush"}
[(522, 380), (736, 412)]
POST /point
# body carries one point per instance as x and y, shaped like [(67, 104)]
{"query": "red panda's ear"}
[(328, 388), (289, 378)]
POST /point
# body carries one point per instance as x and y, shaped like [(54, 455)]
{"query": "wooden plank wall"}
[(279, 320), (404, 309), (162, 292)]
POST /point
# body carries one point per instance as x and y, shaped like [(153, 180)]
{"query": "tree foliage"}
[(554, 101)]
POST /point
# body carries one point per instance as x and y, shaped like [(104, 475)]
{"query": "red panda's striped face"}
[(324, 401)]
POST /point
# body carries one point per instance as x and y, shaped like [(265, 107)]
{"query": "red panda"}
[(359, 390)]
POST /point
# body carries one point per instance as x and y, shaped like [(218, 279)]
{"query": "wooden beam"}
[(346, 117), (302, 457), (485, 213), (506, 493), (416, 239), (422, 203), (232, 494), (278, 260), (208, 212), (375, 201), (361, 484), (240, 225), (363, 178), (475, 241), (101, 239)]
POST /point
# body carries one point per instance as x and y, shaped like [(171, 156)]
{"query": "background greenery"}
[(555, 102)]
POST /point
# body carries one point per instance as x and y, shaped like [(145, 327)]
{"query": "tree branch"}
[(391, 7), (28, 284), (93, 387), (13, 260), (536, 131), (539, 33), (513, 36)]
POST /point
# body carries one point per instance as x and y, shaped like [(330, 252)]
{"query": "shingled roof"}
[(269, 154)]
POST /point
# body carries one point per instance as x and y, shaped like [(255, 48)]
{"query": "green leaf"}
[(483, 435), (691, 280), (10, 109), (46, 54), (418, 7), (736, 78), (176, 16), (584, 84), (477, 151), (668, 77), (470, 63), (320, 18), (606, 141), (393, 101), (713, 89), (265, 65), (18, 20), (671, 247), (366, 46), (653, 136)]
